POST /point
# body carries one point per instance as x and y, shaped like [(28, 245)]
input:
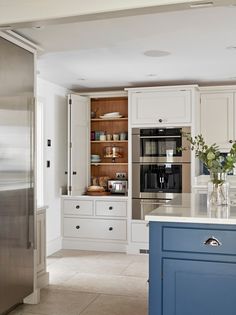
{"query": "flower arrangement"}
[(211, 157)]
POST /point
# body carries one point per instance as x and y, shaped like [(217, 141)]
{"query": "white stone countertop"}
[(192, 208), (107, 197)]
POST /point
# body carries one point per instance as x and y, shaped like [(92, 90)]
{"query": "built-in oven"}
[(159, 169), (159, 145)]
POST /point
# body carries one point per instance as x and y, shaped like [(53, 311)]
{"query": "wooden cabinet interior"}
[(101, 106)]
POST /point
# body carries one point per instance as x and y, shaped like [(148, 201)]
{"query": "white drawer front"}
[(95, 228), (111, 208), (140, 232), (78, 207)]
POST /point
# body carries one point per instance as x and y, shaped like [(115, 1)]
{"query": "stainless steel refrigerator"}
[(16, 174)]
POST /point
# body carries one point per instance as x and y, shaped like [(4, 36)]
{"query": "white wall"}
[(54, 99)]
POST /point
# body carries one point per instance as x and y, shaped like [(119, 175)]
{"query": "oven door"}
[(148, 148)]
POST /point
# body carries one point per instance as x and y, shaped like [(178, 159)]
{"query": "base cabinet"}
[(95, 223), (188, 276)]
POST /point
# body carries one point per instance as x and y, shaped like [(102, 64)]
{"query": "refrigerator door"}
[(16, 174)]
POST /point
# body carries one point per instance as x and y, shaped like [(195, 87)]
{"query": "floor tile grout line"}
[(95, 298)]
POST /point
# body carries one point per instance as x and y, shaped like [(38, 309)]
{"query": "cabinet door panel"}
[(161, 107), (217, 118), (198, 287), (79, 139)]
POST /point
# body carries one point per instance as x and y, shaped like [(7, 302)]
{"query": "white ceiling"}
[(109, 53)]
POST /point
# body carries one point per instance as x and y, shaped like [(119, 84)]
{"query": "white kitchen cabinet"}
[(160, 107), (95, 223), (217, 117), (140, 232), (42, 274), (78, 144), (95, 229)]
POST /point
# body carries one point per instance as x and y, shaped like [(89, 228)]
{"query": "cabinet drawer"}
[(78, 207), (140, 232), (111, 208), (192, 240), (95, 228)]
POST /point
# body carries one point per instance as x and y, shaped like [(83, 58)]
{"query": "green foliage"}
[(210, 155)]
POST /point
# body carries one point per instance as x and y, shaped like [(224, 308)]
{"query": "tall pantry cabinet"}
[(95, 222)]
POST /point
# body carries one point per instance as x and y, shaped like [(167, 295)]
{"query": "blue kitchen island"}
[(192, 264)]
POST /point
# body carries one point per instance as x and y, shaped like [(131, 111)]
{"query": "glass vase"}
[(218, 190)]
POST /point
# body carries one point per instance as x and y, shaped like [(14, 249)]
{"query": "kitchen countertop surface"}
[(192, 208)]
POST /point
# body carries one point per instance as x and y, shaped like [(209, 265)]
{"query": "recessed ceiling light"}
[(231, 47), (201, 4), (38, 27), (156, 53), (81, 79), (151, 75)]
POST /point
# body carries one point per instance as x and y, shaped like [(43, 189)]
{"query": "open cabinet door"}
[(78, 144)]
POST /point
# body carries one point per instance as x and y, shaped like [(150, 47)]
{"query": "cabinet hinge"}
[(70, 188), (70, 101), (70, 144)]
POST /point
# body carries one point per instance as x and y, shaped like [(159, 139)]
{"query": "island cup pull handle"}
[(212, 241)]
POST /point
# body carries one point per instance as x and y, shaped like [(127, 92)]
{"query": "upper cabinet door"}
[(217, 118), (160, 107), (78, 131)]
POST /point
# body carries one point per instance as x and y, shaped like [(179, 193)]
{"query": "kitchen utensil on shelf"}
[(109, 137), (110, 117), (123, 135), (113, 152), (102, 138)]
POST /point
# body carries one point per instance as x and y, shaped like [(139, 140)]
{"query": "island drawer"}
[(78, 207), (199, 240), (111, 208), (95, 228)]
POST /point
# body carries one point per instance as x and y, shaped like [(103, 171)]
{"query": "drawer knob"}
[(160, 120), (77, 207), (77, 227), (212, 241), (110, 228), (230, 141), (110, 208)]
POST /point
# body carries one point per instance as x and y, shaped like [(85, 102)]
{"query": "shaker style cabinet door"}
[(217, 118), (198, 287), (160, 107), (78, 142)]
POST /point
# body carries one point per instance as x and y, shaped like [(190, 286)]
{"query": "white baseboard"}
[(134, 248), (42, 280), (33, 298), (94, 245), (54, 246)]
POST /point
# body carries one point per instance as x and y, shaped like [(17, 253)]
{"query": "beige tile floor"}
[(93, 283)]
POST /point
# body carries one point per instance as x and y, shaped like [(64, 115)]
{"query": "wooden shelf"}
[(111, 141), (109, 164), (109, 119)]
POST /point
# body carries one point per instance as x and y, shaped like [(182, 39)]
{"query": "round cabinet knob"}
[(160, 120), (77, 207), (77, 227), (74, 173), (230, 141), (110, 228), (110, 208)]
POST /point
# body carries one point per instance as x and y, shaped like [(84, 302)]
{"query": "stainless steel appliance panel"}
[(16, 174), (142, 207), (156, 146)]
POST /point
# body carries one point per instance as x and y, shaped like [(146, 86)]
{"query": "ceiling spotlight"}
[(38, 27), (201, 4), (81, 79), (231, 47), (151, 75), (156, 53)]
